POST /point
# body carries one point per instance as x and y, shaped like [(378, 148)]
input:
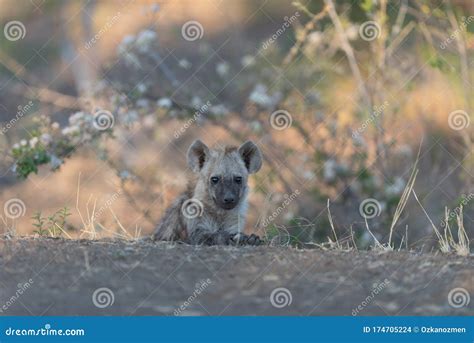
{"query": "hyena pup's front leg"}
[(202, 236)]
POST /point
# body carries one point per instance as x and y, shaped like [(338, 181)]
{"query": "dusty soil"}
[(156, 279)]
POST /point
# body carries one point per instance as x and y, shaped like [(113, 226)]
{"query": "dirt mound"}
[(110, 277)]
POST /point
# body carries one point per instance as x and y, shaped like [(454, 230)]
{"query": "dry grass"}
[(403, 202), (447, 242), (89, 222)]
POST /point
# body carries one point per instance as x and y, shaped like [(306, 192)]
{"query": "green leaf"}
[(367, 5), (438, 63)]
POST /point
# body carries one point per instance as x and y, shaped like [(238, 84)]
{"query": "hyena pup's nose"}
[(229, 200)]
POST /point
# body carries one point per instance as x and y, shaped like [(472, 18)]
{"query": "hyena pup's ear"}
[(198, 153), (251, 156)]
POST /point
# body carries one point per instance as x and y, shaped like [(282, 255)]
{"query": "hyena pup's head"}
[(223, 173)]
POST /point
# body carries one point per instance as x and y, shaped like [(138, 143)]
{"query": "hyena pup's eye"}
[(238, 179), (215, 179)]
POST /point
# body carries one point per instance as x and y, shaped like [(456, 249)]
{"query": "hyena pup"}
[(213, 208)]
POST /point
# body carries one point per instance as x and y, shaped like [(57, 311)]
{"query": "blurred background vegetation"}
[(342, 96)]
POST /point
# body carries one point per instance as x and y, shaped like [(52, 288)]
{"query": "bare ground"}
[(156, 279)]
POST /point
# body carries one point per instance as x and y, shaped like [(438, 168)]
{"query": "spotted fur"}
[(219, 187)]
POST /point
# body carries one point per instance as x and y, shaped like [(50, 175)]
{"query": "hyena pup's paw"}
[(242, 239)]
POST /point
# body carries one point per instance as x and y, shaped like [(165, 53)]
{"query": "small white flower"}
[(70, 130), (396, 188), (173, 113), (196, 102), (309, 174), (329, 170), (315, 38), (405, 151), (247, 61), (142, 88), (219, 110), (261, 97), (23, 142), (55, 126), (222, 69), (356, 187), (145, 40), (131, 59), (125, 50), (130, 117), (76, 118), (33, 142), (352, 32), (46, 138), (126, 44), (366, 238), (288, 216), (149, 121), (255, 126), (16, 146), (184, 63), (164, 103), (125, 175)]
